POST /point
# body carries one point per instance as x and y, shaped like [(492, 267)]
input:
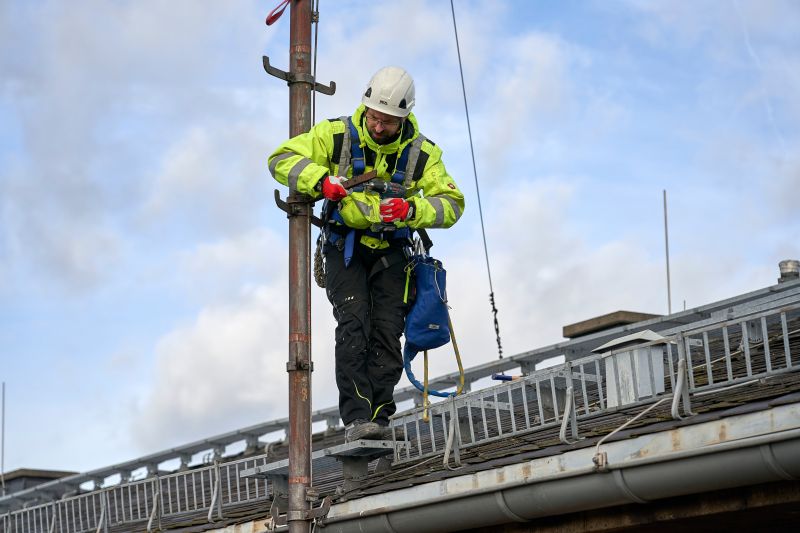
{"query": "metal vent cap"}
[(790, 270)]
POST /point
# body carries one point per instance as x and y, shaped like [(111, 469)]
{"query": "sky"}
[(143, 263)]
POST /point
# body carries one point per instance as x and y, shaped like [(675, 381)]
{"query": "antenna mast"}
[(3, 442), (666, 245)]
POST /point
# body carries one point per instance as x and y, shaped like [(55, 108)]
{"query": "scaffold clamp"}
[(298, 77), (314, 514), (291, 209)]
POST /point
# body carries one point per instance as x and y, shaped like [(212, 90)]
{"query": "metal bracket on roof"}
[(316, 514), (152, 470), (102, 522), (298, 77), (252, 443), (527, 367), (275, 517), (569, 418), (355, 457), (453, 438), (354, 469), (681, 393), (52, 526), (216, 498), (155, 514), (331, 423)]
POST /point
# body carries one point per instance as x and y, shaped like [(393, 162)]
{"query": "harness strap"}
[(404, 169), (349, 244), (344, 156), (356, 152), (352, 153), (385, 262), (413, 156)]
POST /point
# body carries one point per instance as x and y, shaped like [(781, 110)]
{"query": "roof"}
[(728, 368), (36, 474), (640, 337)]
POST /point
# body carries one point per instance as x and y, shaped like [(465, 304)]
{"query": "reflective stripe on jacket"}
[(302, 161)]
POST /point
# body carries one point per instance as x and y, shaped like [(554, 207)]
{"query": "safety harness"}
[(359, 165), (334, 230), (428, 324)]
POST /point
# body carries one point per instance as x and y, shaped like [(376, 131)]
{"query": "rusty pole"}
[(299, 366)]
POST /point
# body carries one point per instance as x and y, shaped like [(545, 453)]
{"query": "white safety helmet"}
[(390, 91)]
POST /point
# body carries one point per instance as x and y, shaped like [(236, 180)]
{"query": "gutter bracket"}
[(600, 461)]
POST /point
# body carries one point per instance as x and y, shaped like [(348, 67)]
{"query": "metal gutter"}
[(735, 451)]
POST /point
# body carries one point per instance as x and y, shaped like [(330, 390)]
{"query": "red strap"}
[(276, 13)]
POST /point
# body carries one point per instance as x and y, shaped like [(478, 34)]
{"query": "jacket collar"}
[(409, 133)]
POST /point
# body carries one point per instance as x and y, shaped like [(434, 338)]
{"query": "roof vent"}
[(790, 270), (634, 367)]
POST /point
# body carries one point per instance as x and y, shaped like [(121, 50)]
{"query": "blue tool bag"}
[(428, 321)]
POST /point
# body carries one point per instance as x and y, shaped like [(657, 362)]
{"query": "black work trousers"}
[(367, 299)]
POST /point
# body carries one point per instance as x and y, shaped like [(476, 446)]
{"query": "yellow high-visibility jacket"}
[(302, 161)]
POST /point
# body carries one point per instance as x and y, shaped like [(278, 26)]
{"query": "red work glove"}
[(332, 188), (395, 209)]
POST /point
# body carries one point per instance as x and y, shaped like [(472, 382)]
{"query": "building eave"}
[(733, 451)]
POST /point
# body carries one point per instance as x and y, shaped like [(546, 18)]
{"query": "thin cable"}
[(666, 246), (3, 441), (477, 188)]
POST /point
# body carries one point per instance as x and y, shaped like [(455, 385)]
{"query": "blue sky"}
[(143, 297)]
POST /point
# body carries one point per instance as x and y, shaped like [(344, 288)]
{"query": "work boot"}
[(361, 429), (399, 433)]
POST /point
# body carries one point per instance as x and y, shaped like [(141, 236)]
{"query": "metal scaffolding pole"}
[(299, 365), (299, 210)]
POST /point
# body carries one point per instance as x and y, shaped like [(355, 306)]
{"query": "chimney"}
[(790, 270), (611, 320)]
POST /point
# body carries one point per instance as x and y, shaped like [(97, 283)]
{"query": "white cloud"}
[(144, 142), (754, 39), (94, 91), (225, 370), (530, 92), (225, 266), (72, 249), (212, 179)]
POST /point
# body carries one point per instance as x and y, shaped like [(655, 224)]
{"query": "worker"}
[(367, 234)]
